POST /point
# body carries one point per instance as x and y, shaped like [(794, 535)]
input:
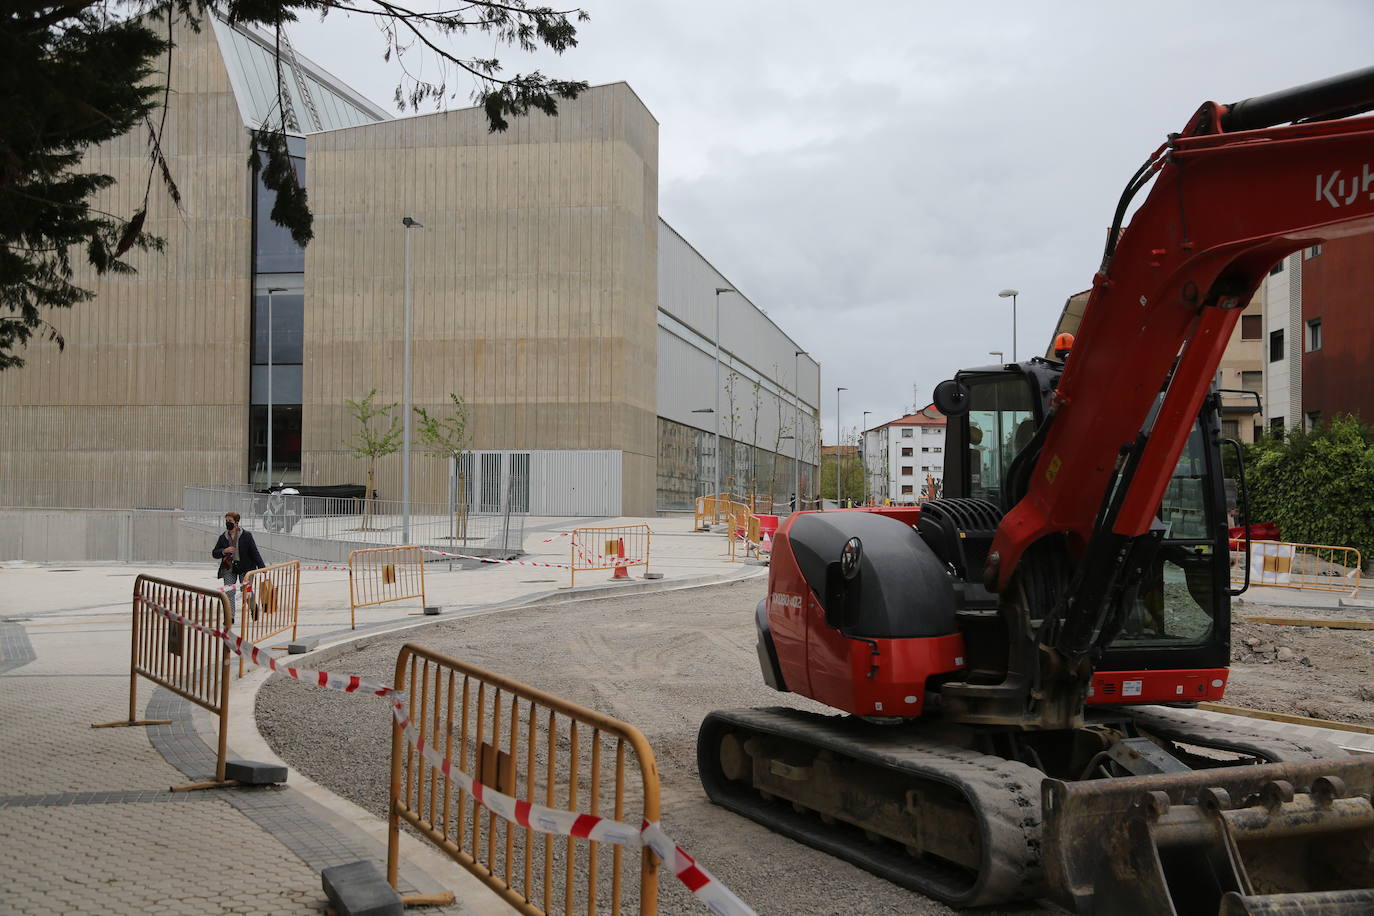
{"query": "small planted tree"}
[(448, 437), (379, 435)]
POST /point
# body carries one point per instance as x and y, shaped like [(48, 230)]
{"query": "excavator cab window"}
[(1003, 413), (1175, 604)]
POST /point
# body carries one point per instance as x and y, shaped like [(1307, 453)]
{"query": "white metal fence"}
[(355, 519)]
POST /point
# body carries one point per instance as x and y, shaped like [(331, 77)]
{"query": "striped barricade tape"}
[(467, 556), (556, 821)]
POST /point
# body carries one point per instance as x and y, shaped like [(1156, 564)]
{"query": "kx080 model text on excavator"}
[(1009, 659)]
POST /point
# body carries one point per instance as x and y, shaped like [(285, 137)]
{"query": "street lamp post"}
[(405, 396), (796, 432), (270, 291), (1001, 356), (1013, 294), (863, 451), (719, 290), (839, 484)]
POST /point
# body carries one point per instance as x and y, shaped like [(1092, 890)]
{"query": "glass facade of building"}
[(278, 328)]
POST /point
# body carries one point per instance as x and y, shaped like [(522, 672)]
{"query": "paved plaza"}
[(87, 823)]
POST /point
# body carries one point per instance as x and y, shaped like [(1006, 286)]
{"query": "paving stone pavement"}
[(87, 823)]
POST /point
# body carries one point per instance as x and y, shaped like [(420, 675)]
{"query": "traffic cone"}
[(621, 571)]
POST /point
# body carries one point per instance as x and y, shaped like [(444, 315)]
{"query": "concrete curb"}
[(473, 896)]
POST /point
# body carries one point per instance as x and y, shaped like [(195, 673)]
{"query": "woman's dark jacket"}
[(246, 558)]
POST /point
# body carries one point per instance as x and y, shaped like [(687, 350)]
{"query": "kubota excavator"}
[(1008, 659)]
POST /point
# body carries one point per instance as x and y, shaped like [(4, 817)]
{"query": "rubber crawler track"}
[(1004, 796), (1177, 726)]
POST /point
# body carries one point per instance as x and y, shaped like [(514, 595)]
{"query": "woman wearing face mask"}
[(238, 555)]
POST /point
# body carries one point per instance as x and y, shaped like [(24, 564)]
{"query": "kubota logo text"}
[(1340, 191)]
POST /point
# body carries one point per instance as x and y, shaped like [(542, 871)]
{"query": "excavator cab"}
[(1172, 641)]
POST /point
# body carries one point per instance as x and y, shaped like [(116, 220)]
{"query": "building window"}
[(1313, 419), (1276, 427), (906, 470), (925, 448), (937, 449), (1230, 429), (1251, 327), (1276, 345), (1276, 269), (906, 452), (1252, 381), (1314, 335), (907, 433), (1310, 253), (906, 489)]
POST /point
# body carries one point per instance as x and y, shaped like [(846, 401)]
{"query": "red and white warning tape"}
[(628, 561), (559, 822)]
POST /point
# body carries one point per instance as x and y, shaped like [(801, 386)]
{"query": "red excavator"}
[(1010, 659)]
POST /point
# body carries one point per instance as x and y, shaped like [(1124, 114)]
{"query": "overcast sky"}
[(872, 174)]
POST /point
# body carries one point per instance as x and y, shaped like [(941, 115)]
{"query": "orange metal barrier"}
[(379, 575), (538, 749), (190, 663), (709, 510), (617, 548), (272, 603), (737, 518), (1278, 564)]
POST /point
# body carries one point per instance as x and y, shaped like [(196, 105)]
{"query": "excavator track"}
[(951, 823), (1175, 725)]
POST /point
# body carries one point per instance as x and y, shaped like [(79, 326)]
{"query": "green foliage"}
[(852, 475), (80, 73), (71, 79), (445, 437), (374, 442), (1318, 486)]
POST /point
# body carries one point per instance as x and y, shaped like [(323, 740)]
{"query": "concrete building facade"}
[(904, 458), (547, 292)]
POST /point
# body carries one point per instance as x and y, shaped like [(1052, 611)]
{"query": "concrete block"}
[(303, 645), (652, 575), (432, 610), (1356, 602), (253, 773), (360, 889)]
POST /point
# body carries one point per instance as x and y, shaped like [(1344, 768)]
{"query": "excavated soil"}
[(1304, 671)]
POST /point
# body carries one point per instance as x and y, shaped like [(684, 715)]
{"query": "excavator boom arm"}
[(1224, 207)]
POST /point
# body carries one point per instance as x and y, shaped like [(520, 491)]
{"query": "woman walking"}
[(238, 555)]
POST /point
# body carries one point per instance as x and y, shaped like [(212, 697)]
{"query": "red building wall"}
[(1338, 288)]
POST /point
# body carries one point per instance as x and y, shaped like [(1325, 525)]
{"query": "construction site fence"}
[(384, 574), (1279, 564), (737, 521), (712, 509), (272, 600), (190, 663), (618, 548), (539, 750)]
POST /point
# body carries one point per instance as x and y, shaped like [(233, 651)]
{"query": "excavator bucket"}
[(1277, 839)]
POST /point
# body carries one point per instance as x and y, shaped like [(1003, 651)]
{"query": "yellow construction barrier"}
[(709, 510), (617, 548), (737, 519), (191, 663), (1278, 564), (272, 603), (538, 750), (383, 574)]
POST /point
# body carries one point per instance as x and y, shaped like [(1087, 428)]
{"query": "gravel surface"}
[(658, 661)]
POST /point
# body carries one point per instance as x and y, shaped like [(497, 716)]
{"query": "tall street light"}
[(796, 432), (1013, 294), (405, 397), (1001, 356), (863, 451), (270, 291), (719, 290), (839, 484)]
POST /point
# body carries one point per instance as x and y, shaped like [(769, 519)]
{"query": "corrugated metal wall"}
[(560, 482)]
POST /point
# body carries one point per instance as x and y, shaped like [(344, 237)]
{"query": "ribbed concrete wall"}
[(534, 283)]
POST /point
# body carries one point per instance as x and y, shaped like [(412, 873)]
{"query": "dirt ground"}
[(658, 661), (1305, 671)]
